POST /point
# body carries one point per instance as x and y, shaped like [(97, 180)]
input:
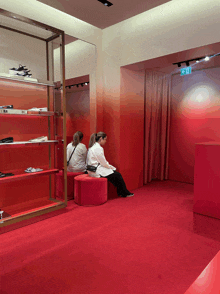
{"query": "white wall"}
[(45, 14), (80, 60), (172, 27), (18, 49)]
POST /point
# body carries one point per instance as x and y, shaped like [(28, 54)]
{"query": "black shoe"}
[(7, 140), (6, 175), (21, 67), (128, 195), (6, 106)]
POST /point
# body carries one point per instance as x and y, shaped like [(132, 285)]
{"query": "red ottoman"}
[(70, 184), (89, 190)]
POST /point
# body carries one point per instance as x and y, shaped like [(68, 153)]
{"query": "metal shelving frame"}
[(53, 33)]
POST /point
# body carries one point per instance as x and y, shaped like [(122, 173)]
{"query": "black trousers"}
[(117, 180)]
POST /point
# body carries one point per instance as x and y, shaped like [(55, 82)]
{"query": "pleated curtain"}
[(157, 125)]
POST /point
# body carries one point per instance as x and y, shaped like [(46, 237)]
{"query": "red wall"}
[(22, 128), (132, 127), (195, 118)]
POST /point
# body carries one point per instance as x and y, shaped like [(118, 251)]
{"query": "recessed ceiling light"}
[(207, 58), (105, 2)]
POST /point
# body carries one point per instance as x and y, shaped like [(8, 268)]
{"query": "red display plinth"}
[(207, 179), (208, 282)]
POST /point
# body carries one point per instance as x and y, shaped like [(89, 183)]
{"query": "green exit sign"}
[(186, 71)]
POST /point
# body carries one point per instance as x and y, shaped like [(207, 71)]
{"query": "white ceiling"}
[(99, 15)]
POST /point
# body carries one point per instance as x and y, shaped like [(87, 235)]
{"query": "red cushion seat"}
[(70, 184), (89, 190)]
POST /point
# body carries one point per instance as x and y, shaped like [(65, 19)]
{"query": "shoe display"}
[(6, 106), (13, 111), (6, 175), (39, 139), (38, 109), (6, 140), (33, 170), (20, 71)]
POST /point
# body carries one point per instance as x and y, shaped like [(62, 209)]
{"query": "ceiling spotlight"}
[(82, 84), (77, 85), (86, 83), (207, 58), (179, 64), (197, 61), (69, 87), (105, 2), (187, 63)]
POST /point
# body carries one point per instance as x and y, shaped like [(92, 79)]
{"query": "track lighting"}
[(187, 62)]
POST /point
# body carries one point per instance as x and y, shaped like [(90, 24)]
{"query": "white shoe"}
[(40, 139), (33, 170)]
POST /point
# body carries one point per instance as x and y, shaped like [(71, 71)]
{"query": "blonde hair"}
[(95, 138)]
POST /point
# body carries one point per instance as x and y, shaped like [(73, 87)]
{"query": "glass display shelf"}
[(29, 208), (27, 143), (27, 175), (31, 113), (26, 80)]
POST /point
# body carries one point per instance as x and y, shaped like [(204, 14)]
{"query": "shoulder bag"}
[(71, 156), (92, 168)]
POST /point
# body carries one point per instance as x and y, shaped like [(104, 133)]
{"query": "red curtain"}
[(157, 125)]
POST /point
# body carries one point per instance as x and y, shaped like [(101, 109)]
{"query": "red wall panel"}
[(132, 127), (195, 118)]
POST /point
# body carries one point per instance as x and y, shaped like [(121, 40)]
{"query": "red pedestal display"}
[(208, 282), (89, 190), (207, 179)]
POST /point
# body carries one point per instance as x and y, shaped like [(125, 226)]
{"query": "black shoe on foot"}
[(128, 195)]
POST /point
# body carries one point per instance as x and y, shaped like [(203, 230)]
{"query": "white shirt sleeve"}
[(102, 160)]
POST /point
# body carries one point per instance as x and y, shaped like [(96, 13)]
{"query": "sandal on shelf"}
[(6, 175)]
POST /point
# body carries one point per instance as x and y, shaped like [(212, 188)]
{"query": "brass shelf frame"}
[(54, 33)]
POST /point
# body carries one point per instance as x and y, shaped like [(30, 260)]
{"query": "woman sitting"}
[(76, 154), (96, 157)]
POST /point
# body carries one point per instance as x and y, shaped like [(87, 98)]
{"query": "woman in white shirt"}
[(96, 158), (77, 162)]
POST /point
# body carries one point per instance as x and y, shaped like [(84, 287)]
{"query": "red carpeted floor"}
[(151, 243)]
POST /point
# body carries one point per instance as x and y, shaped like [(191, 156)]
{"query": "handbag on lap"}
[(92, 168)]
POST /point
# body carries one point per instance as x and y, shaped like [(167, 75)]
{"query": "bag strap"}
[(71, 156)]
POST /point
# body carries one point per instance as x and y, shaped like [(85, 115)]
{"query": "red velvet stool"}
[(70, 184), (89, 190)]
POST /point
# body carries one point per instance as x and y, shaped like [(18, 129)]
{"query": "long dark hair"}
[(95, 137), (77, 138)]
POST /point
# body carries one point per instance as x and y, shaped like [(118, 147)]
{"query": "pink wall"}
[(132, 127), (78, 113), (195, 118), (123, 122)]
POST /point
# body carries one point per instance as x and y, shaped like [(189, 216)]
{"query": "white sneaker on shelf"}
[(33, 170), (39, 139), (38, 109)]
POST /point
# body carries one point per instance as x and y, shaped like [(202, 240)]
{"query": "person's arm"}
[(84, 152), (102, 160)]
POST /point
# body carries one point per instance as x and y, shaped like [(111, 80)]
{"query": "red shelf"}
[(39, 113), (26, 143), (28, 175)]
